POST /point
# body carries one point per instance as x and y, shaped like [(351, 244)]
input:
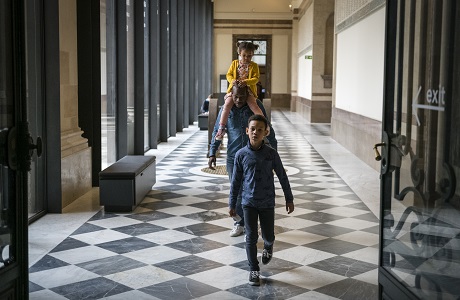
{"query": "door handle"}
[(21, 147), (37, 146), (378, 157), (392, 152), (384, 168)]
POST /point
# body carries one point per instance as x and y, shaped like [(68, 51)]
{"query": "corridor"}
[(176, 245)]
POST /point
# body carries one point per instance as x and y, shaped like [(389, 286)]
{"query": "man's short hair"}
[(242, 91), (258, 118)]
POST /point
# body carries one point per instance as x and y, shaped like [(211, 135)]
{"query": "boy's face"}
[(256, 131)]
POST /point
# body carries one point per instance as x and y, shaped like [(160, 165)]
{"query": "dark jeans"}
[(266, 216), (239, 209)]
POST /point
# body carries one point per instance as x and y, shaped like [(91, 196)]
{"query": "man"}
[(237, 139)]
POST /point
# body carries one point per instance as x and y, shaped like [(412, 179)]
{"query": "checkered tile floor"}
[(176, 245)]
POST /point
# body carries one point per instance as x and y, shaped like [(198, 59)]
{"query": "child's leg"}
[(252, 103), (250, 227), (224, 117), (267, 224)]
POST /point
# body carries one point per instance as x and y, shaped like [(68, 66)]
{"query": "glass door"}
[(420, 170), (35, 104), (15, 153)]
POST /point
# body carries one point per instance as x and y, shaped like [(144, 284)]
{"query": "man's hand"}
[(212, 162), (289, 207), (232, 212)]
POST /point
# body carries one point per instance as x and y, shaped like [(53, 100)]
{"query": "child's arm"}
[(231, 74), (254, 75), (235, 184), (283, 179)]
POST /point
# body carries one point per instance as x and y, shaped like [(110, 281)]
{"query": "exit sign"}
[(308, 56)]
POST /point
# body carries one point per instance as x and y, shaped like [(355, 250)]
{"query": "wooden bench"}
[(124, 184), (267, 102), (203, 121)]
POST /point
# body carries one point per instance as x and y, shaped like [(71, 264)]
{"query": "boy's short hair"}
[(258, 118)]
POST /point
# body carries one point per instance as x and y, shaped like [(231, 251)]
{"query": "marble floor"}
[(176, 244)]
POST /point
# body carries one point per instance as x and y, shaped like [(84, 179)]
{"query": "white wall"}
[(360, 66), (252, 9), (223, 50), (281, 58), (304, 84), (305, 41), (305, 33)]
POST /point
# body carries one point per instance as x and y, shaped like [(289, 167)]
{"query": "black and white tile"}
[(176, 244)]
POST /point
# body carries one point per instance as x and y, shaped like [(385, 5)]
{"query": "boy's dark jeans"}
[(267, 223)]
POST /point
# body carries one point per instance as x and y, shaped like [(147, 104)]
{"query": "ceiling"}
[(253, 9)]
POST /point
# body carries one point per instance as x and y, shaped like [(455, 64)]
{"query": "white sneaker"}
[(237, 230)]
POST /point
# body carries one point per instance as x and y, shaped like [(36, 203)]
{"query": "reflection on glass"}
[(146, 78), (259, 59), (421, 222), (262, 47), (107, 103), (130, 74), (34, 82), (7, 210)]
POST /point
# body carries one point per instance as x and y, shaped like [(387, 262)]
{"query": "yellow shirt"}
[(253, 76)]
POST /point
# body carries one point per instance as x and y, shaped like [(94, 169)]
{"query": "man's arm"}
[(271, 136), (215, 143)]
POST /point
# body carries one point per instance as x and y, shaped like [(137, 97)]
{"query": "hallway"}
[(176, 245)]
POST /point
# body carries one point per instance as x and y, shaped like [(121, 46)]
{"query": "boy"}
[(253, 173)]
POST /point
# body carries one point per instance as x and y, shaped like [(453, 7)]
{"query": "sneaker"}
[(267, 255), (237, 230), (254, 278)]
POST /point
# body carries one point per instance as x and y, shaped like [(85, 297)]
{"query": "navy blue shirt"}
[(253, 173)]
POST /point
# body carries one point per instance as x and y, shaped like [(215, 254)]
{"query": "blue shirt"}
[(236, 131), (253, 173)]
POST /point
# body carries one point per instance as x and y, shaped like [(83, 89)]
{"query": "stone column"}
[(75, 152), (321, 99)]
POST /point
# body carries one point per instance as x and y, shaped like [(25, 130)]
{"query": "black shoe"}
[(267, 255), (254, 278)]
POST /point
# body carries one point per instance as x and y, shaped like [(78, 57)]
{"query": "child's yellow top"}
[(251, 81)]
